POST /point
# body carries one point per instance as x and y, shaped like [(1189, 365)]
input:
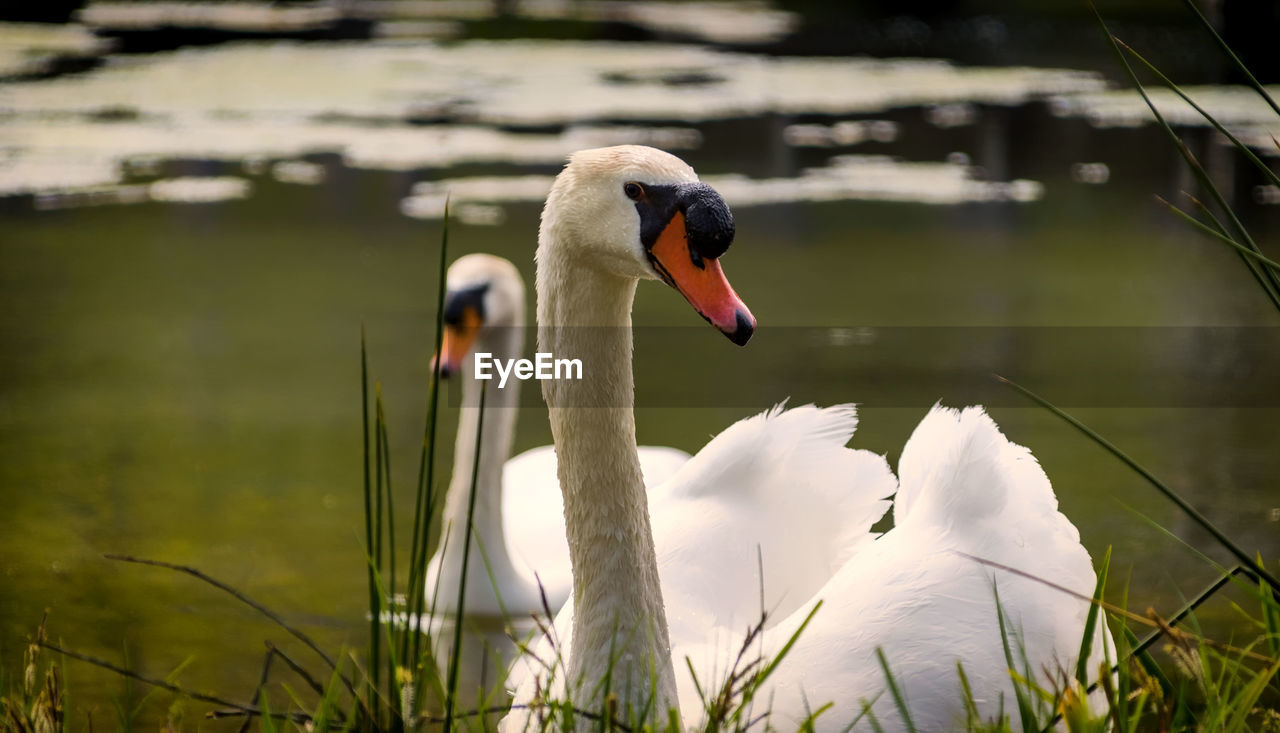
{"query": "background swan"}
[(519, 516), (618, 215)]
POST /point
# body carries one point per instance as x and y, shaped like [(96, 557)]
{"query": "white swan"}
[(518, 540), (782, 482)]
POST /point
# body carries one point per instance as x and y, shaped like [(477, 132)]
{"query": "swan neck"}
[(500, 412), (586, 314)]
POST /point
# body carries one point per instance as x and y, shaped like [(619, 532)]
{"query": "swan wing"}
[(658, 463), (778, 491), (779, 488), (917, 593)]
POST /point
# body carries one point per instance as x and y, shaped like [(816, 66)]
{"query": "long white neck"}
[(489, 565), (620, 625)]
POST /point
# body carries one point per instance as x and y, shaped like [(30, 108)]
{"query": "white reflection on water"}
[(298, 171), (186, 190), (516, 82), (845, 177), (467, 196), (231, 16), (31, 48), (286, 100), (43, 155), (1240, 109), (876, 178), (199, 190), (840, 134), (720, 21)]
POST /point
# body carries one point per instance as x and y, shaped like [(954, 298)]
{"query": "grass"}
[(37, 702), (1222, 223), (1193, 683)]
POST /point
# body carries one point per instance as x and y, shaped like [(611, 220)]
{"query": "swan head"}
[(484, 295), (640, 213)]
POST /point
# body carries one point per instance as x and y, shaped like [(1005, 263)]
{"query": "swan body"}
[(917, 592), (533, 513), (518, 551), (782, 484), (970, 504)]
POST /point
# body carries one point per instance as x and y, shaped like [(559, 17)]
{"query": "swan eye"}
[(633, 190)]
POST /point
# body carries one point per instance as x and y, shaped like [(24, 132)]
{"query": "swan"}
[(782, 484), (518, 549)]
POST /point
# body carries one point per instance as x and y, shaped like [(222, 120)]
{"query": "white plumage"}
[(519, 555), (916, 592), (684, 585)]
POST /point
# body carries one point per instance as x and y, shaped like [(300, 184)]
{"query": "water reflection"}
[(845, 177), (281, 100)]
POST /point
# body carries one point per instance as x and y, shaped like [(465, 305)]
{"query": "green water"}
[(180, 382)]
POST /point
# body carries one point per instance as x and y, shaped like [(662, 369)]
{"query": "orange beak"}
[(457, 341), (701, 281)]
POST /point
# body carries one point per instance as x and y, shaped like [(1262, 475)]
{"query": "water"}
[(179, 380)]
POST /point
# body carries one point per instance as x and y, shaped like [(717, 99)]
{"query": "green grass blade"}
[(707, 705), (1254, 269), (391, 513), (384, 530), (1025, 711), (1248, 152), (1091, 622), (971, 717), (1245, 705), (455, 654), (807, 724), (1226, 49), (1190, 606), (1197, 170), (426, 469), (871, 718), (1270, 615), (370, 552), (899, 701), (1147, 661), (782, 653), (171, 679), (266, 723), (1218, 234), (1167, 492), (379, 477)]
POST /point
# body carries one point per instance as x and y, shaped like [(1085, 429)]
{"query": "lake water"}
[(179, 360)]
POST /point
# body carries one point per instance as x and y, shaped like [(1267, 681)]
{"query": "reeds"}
[(36, 704), (1206, 685), (1219, 220)]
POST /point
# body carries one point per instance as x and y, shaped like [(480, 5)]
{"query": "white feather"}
[(783, 487)]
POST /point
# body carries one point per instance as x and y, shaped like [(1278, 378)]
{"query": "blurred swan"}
[(519, 539), (782, 484)]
